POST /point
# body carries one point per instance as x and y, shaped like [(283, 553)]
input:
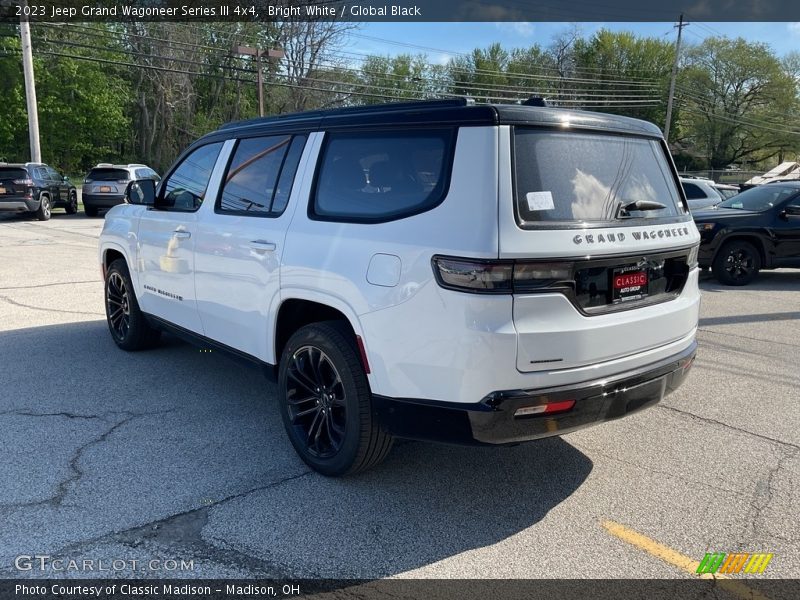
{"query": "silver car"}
[(105, 185)]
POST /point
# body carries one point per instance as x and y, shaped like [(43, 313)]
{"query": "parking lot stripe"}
[(679, 560)]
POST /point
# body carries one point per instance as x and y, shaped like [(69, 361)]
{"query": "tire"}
[(126, 322), (72, 205), (736, 263), (91, 211), (335, 408), (45, 209)]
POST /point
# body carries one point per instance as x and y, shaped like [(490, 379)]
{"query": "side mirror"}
[(141, 192), (792, 210), (65, 179)]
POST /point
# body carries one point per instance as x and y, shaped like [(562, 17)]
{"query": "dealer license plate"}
[(629, 283)]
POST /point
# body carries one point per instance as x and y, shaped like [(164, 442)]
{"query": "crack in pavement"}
[(726, 425), (49, 310), (185, 529), (44, 285), (745, 337), (76, 473), (647, 468), (766, 494), (68, 415)]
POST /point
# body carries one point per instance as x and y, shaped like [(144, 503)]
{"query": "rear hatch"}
[(14, 181), (603, 248), (106, 180)]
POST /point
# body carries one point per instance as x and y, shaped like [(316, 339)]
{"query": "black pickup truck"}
[(756, 229)]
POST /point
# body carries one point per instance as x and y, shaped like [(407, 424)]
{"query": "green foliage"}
[(740, 102)]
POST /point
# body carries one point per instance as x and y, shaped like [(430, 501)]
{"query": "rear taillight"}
[(487, 276), (28, 182), (500, 276)]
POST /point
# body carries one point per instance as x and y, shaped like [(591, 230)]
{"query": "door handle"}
[(181, 234), (264, 245)]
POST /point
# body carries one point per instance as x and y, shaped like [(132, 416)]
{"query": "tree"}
[(625, 70), (739, 102)]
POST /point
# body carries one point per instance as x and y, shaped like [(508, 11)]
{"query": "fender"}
[(293, 293)]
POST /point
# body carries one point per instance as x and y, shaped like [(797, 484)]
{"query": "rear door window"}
[(260, 175), (577, 177), (382, 176)]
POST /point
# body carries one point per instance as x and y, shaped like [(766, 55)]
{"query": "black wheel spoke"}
[(301, 378), (316, 401), (304, 413)]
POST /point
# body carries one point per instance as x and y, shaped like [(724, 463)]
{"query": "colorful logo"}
[(741, 562)]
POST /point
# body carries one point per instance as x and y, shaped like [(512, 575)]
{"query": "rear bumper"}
[(492, 420), (19, 204), (104, 201)]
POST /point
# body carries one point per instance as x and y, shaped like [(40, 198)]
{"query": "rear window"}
[(6, 173), (569, 177), (108, 175), (381, 176)]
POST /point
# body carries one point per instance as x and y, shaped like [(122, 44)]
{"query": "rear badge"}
[(629, 283)]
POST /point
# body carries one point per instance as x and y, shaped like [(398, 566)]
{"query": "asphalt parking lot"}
[(175, 454)]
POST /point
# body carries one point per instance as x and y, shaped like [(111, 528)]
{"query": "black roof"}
[(456, 111)]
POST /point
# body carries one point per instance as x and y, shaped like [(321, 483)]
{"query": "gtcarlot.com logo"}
[(739, 562), (48, 564)]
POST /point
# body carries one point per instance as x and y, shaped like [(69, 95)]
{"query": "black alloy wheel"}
[(316, 401), (128, 325), (737, 263), (326, 403)]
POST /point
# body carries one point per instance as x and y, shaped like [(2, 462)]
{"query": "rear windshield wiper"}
[(624, 210)]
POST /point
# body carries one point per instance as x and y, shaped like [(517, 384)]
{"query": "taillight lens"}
[(28, 182), (492, 277), (499, 276)]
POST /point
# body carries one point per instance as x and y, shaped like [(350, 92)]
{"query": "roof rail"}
[(104, 165), (362, 108)]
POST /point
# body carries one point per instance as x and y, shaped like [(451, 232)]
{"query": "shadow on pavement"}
[(173, 430)]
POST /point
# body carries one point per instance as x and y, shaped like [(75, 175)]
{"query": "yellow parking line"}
[(679, 560)]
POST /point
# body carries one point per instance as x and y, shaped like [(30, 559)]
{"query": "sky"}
[(439, 40)]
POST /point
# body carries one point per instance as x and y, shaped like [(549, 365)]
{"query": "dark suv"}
[(756, 229), (105, 185), (35, 188)]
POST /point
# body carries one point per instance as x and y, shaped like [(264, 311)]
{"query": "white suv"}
[(482, 274)]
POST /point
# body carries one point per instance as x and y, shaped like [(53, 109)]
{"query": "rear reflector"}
[(545, 409), (363, 352)]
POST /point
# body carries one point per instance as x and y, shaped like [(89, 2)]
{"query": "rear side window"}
[(107, 175), (382, 176), (260, 175), (693, 192), (575, 177)]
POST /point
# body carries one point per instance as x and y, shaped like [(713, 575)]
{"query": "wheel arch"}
[(110, 253), (299, 309), (750, 238)]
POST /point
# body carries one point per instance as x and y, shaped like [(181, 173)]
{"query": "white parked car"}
[(478, 274), (701, 193)]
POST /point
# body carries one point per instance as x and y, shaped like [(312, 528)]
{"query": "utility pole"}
[(30, 88), (258, 53), (680, 27)]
